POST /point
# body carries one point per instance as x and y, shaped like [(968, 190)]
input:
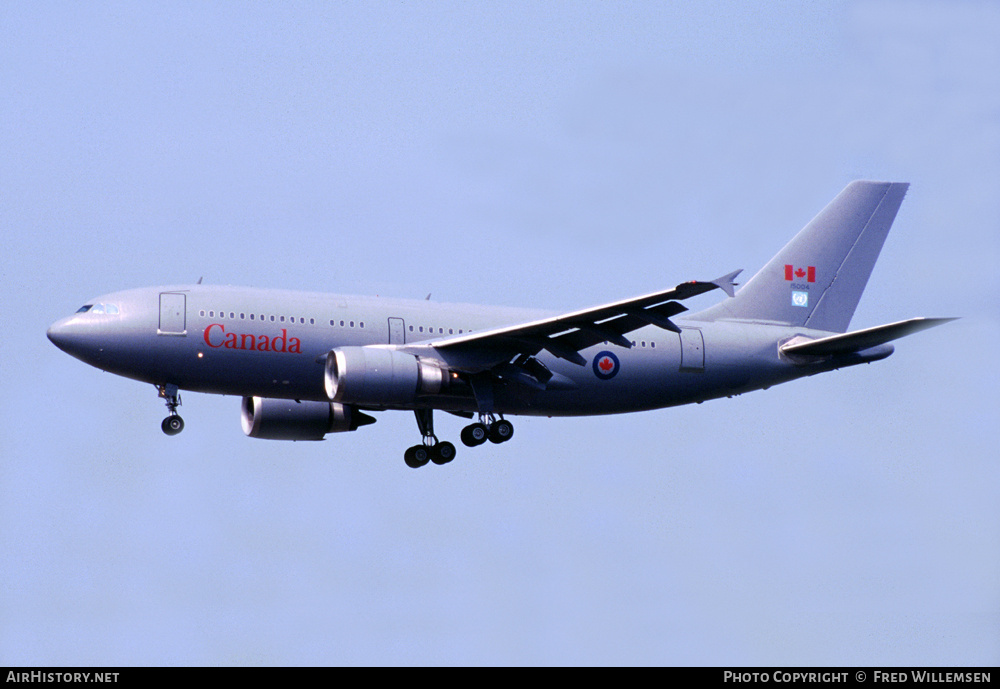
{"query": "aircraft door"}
[(692, 350), (173, 314), (397, 331)]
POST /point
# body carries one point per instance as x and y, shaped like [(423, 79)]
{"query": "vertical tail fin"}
[(816, 281)]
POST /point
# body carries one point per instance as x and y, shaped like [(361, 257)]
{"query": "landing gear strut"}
[(431, 450), (173, 424)]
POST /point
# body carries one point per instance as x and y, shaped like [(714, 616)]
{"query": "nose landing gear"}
[(173, 424)]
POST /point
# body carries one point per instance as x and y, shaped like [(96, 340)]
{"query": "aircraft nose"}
[(69, 335), (61, 334)]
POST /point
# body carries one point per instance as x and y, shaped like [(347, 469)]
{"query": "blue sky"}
[(553, 155)]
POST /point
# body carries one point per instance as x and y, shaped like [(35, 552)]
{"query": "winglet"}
[(727, 283)]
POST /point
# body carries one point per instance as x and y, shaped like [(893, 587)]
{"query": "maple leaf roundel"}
[(606, 365)]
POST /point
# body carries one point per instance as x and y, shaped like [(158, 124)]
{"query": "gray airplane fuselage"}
[(310, 364), (273, 344)]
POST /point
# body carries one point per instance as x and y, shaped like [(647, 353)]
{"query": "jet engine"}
[(382, 377), (276, 419)]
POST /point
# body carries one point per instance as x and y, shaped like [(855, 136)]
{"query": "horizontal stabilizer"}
[(861, 339)]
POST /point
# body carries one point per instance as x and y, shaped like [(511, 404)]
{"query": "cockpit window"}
[(110, 309)]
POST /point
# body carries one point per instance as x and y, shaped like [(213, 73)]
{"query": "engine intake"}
[(382, 377), (277, 419)]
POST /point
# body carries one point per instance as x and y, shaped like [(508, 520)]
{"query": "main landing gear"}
[(488, 428), (433, 450), (173, 424)]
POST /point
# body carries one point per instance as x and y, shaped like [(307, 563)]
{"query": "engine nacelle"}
[(276, 419), (381, 377)]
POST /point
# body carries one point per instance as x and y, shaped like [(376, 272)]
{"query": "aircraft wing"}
[(859, 340), (565, 335)]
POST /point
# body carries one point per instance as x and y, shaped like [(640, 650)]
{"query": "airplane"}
[(310, 364)]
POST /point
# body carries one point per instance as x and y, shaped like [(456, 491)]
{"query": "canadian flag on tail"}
[(793, 273)]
